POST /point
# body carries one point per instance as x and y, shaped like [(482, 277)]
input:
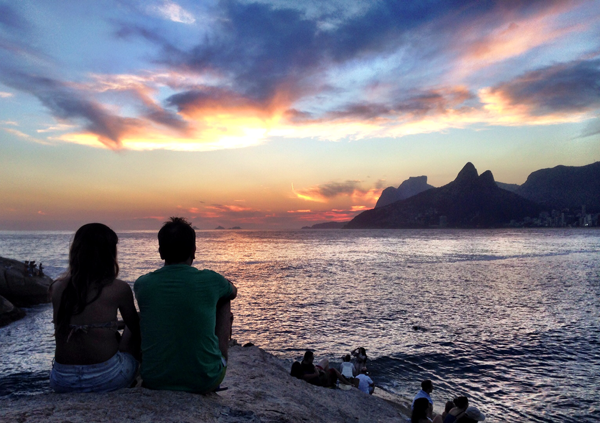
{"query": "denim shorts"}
[(115, 373)]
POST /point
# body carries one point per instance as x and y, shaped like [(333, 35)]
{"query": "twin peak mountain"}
[(470, 201)]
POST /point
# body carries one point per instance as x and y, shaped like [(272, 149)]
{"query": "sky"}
[(278, 115)]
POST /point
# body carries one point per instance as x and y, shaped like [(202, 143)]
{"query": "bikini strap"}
[(86, 328)]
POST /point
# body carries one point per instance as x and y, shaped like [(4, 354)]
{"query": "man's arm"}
[(233, 291)]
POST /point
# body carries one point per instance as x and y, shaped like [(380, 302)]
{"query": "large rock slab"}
[(260, 390), (20, 286)]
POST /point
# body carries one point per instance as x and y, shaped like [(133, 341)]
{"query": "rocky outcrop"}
[(412, 186), (470, 201), (19, 287), (8, 312), (260, 390)]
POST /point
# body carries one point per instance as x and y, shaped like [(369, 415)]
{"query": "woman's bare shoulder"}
[(120, 286), (57, 287)]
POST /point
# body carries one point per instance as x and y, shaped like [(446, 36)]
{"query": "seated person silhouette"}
[(185, 317)]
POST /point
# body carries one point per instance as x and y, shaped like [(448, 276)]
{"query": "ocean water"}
[(511, 318)]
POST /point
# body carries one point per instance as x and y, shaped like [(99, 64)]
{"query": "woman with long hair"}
[(90, 355)]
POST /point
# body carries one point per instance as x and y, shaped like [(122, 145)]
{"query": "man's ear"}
[(194, 253), (161, 254)]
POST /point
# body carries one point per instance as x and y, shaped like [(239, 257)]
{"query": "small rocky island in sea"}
[(21, 285), (326, 225)]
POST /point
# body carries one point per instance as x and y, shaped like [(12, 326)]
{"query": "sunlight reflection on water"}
[(508, 317)]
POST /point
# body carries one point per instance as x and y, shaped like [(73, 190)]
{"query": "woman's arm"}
[(55, 292), (130, 316)]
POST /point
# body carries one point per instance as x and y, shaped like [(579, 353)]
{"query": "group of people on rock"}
[(32, 269), (179, 339), (455, 411), (352, 371)]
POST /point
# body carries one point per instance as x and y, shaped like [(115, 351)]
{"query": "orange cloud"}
[(371, 196), (234, 209), (153, 217), (206, 118), (325, 192), (328, 215)]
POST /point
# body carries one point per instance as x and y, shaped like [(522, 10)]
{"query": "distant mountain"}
[(470, 201), (412, 186), (564, 187), (326, 225)]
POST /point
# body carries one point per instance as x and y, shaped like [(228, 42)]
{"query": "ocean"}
[(510, 318)]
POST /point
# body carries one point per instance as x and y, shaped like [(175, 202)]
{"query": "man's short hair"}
[(176, 240), (427, 386)]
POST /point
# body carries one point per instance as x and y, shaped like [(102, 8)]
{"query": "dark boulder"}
[(20, 286)]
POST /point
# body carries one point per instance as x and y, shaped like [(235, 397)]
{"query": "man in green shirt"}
[(185, 317)]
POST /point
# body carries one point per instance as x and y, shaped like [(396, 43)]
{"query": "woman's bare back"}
[(90, 337)]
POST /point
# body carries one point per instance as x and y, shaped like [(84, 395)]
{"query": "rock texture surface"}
[(260, 390)]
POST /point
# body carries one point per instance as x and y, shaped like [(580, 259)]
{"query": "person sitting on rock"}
[(460, 406), (321, 374), (185, 317), (297, 370), (422, 411), (310, 373), (472, 415), (425, 392), (89, 357), (449, 406), (347, 368), (365, 383)]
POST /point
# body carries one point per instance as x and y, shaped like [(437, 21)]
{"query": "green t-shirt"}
[(178, 307)]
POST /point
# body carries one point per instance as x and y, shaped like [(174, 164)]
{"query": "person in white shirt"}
[(426, 389), (347, 368), (365, 383)]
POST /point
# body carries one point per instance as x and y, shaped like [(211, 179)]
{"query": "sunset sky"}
[(282, 114)]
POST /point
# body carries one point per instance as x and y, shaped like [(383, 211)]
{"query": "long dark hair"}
[(92, 265), (419, 410)]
